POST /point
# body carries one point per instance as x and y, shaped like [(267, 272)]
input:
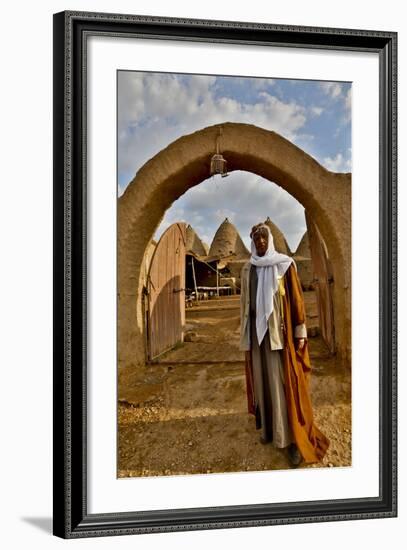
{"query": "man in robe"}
[(274, 336)]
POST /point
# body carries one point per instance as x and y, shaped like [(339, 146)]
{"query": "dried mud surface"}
[(187, 414)]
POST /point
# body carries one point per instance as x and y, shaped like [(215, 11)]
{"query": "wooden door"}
[(165, 313), (323, 279)]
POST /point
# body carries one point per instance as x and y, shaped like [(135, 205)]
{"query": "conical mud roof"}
[(280, 244), (194, 243), (303, 248), (227, 242)]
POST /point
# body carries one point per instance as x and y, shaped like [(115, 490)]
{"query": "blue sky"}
[(314, 115)]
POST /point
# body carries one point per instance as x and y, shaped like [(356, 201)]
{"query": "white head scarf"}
[(270, 268)]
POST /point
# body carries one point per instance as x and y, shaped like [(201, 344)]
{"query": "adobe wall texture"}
[(185, 163)]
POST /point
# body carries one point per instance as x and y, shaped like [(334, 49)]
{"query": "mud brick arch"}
[(325, 195)]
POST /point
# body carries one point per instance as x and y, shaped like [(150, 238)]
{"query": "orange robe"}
[(311, 442)]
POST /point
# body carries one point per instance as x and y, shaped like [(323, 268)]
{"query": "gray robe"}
[(268, 373)]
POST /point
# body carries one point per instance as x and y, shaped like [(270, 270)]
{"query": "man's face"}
[(261, 241)]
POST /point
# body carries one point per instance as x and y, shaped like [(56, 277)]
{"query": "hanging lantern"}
[(218, 163)]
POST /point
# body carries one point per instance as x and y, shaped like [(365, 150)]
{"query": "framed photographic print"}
[(224, 274)]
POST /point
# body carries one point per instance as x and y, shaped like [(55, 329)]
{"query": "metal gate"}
[(165, 313), (323, 278)]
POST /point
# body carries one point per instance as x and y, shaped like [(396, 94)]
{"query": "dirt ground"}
[(188, 412)]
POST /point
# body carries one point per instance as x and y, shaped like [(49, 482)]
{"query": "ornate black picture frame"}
[(71, 517)]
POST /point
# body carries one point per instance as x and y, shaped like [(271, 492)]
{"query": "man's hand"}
[(299, 343)]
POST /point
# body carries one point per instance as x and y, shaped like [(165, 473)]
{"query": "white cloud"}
[(348, 106), (245, 199), (316, 111), (222, 213), (333, 89), (262, 83), (156, 109), (339, 92), (348, 99), (338, 163)]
